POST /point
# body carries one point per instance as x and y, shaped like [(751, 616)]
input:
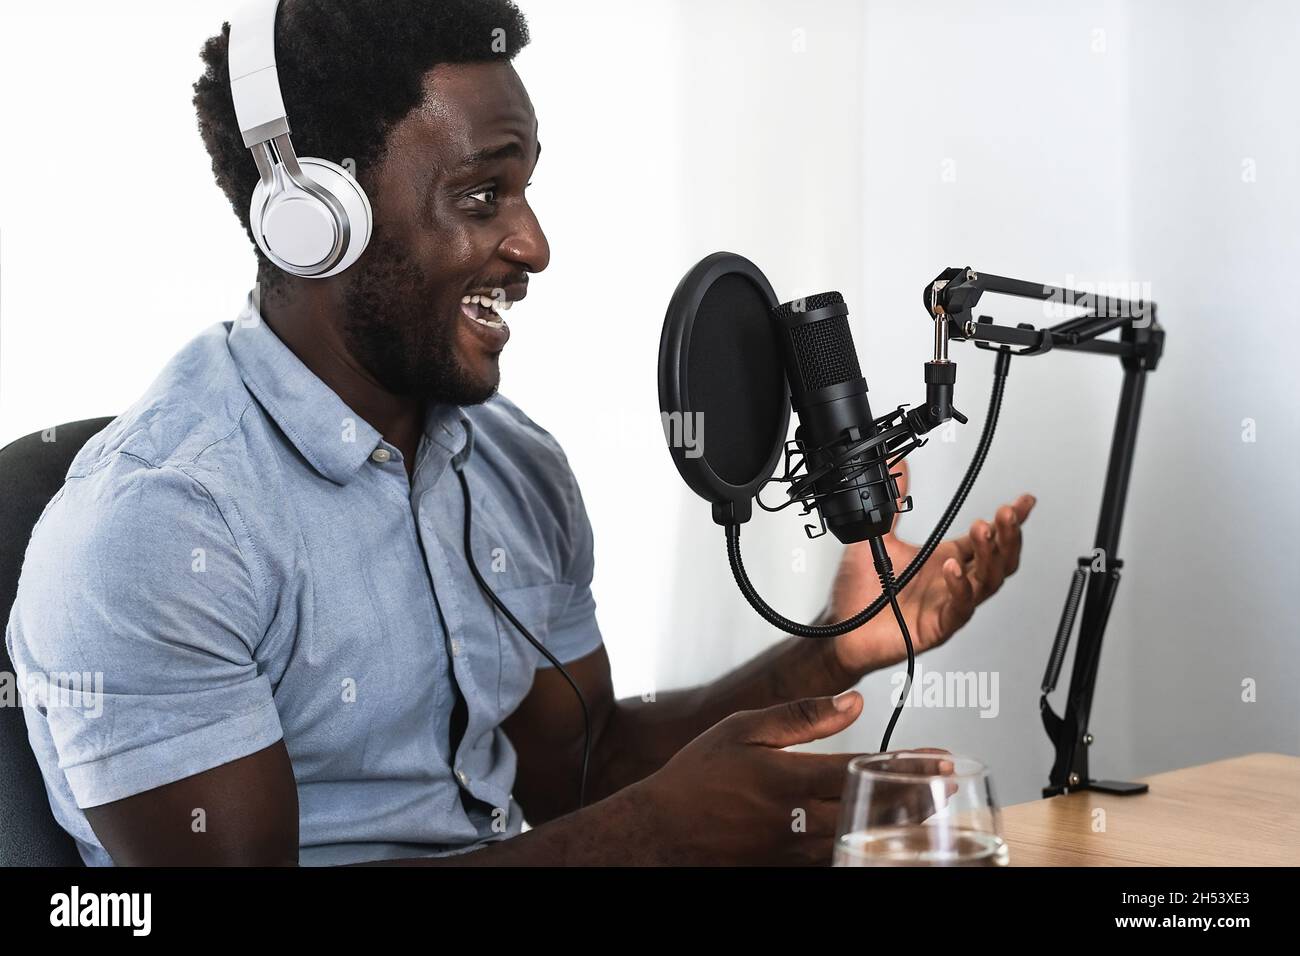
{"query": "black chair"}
[(32, 470)]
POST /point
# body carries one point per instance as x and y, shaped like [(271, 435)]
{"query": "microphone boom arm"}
[(951, 300)]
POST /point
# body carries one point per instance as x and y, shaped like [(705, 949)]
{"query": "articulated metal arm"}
[(951, 300)]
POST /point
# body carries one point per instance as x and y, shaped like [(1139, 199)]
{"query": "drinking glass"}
[(919, 808)]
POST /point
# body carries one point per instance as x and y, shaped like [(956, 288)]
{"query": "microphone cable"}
[(1001, 367), (885, 570), (483, 585)]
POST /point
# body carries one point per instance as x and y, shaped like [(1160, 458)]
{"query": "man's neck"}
[(305, 325)]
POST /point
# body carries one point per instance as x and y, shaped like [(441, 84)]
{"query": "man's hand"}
[(733, 796), (958, 577)]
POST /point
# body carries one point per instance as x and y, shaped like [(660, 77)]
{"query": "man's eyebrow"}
[(490, 154)]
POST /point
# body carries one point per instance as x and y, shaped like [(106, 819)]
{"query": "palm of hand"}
[(960, 574)]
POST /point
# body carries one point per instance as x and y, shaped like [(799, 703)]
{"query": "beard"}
[(391, 326)]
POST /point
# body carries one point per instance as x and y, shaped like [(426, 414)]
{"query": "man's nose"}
[(527, 244)]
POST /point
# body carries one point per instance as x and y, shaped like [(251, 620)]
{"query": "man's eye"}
[(485, 192)]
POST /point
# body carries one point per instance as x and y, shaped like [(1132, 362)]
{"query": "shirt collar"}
[(448, 427), (334, 439)]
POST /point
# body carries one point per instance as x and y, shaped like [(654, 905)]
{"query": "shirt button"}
[(455, 647), (381, 456), (463, 778)]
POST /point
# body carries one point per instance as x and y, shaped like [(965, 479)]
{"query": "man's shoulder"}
[(532, 468), (529, 469), (504, 433), (160, 463), (147, 494), (196, 405), (505, 421)]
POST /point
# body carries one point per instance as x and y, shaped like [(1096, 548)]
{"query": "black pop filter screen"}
[(722, 381), (736, 379)]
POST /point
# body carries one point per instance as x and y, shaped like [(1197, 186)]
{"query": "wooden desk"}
[(1239, 812)]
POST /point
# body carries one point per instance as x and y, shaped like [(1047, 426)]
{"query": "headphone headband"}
[(254, 79), (308, 216)]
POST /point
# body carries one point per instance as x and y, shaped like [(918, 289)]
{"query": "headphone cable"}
[(483, 585)]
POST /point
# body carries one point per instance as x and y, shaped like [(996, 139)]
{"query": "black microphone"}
[(731, 355), (854, 493)]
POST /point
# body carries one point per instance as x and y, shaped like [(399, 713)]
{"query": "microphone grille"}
[(809, 304), (819, 349), (825, 354)]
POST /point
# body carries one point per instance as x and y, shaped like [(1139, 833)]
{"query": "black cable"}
[(1000, 368), (582, 701), (885, 569)]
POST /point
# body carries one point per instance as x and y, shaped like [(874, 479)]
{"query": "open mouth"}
[(487, 311)]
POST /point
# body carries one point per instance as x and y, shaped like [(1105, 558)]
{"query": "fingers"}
[(985, 556), (816, 775), (1023, 505), (941, 766), (797, 722), (910, 765), (822, 775), (957, 611), (903, 482), (1006, 535), (986, 574), (997, 546), (911, 799), (965, 548), (814, 785)]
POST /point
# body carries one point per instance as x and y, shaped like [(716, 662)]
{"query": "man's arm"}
[(725, 798), (243, 813), (633, 738), (249, 813)]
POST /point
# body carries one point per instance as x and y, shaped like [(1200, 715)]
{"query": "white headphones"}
[(310, 216)]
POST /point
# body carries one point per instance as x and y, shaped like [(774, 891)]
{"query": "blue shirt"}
[(240, 557)]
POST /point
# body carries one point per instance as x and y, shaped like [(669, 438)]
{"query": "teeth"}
[(481, 307), (487, 302)]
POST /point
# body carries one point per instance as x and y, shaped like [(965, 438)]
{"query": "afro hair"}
[(349, 70)]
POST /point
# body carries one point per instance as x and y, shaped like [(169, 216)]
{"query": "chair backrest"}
[(32, 470)]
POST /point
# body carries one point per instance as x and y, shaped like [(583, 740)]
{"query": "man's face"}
[(451, 221)]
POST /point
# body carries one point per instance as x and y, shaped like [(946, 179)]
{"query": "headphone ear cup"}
[(334, 179), (300, 228)]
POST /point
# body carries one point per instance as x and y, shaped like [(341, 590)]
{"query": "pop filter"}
[(722, 383)]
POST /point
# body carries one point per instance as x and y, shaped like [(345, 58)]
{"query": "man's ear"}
[(903, 481)]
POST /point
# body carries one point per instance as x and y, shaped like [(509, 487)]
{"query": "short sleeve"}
[(133, 635), (575, 633)]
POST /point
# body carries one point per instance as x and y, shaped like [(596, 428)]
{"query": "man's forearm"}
[(617, 831), (642, 734)]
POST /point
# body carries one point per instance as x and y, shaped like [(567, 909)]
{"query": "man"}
[(265, 560)]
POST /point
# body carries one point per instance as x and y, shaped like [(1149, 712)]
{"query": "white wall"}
[(1215, 183), (106, 270), (847, 145), (997, 138), (1099, 142), (1106, 141), (700, 126), (116, 246)]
